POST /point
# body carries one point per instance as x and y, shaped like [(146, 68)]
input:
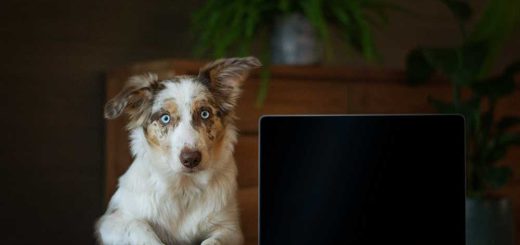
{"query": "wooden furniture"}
[(293, 90)]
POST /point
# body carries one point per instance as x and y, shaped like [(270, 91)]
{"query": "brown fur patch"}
[(171, 107), (135, 99), (224, 78), (155, 130), (154, 133), (211, 127)]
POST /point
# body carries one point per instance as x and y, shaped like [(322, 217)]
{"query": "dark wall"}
[(54, 56)]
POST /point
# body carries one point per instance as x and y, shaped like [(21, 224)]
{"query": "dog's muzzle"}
[(190, 158)]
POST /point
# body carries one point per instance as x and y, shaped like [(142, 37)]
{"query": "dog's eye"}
[(165, 119), (204, 114)]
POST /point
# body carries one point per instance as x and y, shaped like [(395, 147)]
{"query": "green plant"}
[(467, 67), (230, 27)]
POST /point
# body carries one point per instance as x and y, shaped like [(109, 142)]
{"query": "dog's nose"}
[(190, 158)]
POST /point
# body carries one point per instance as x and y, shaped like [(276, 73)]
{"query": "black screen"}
[(362, 180)]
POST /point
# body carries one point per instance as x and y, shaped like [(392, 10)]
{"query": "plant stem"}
[(265, 77)]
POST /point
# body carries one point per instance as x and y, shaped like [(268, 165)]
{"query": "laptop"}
[(357, 180)]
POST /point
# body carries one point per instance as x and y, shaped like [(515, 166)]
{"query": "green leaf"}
[(473, 56), (418, 69), (314, 11), (446, 60), (500, 19), (364, 33), (265, 77), (496, 148), (356, 20), (341, 16), (461, 64), (367, 42), (470, 109), (494, 87), (508, 139), (460, 9), (498, 86), (497, 177)]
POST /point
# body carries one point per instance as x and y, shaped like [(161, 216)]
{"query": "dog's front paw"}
[(210, 241)]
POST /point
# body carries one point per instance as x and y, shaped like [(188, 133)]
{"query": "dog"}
[(181, 187)]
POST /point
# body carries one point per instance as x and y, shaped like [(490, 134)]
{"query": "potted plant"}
[(466, 66), (299, 30)]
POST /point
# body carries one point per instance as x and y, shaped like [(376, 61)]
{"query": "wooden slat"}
[(393, 98), (291, 97), (248, 204), (246, 156), (509, 106)]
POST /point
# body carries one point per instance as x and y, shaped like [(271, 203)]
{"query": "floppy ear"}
[(224, 78), (135, 99)]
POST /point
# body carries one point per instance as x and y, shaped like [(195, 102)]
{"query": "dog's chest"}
[(181, 215)]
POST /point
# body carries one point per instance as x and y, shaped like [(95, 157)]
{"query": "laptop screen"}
[(362, 180)]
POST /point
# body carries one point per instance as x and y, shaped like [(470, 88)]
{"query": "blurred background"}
[(60, 57)]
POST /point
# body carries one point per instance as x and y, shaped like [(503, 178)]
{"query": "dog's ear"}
[(224, 78), (135, 99)]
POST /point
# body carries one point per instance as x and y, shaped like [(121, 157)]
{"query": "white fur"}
[(157, 203)]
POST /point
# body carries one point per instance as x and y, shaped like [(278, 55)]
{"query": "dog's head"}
[(183, 123)]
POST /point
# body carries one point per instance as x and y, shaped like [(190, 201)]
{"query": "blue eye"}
[(165, 119), (204, 114)]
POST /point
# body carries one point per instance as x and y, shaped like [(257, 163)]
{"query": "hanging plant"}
[(467, 66), (231, 27)]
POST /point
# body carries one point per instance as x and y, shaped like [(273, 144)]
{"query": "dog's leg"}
[(224, 237), (115, 229), (230, 234)]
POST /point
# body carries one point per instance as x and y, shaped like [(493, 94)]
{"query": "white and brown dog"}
[(181, 187)]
